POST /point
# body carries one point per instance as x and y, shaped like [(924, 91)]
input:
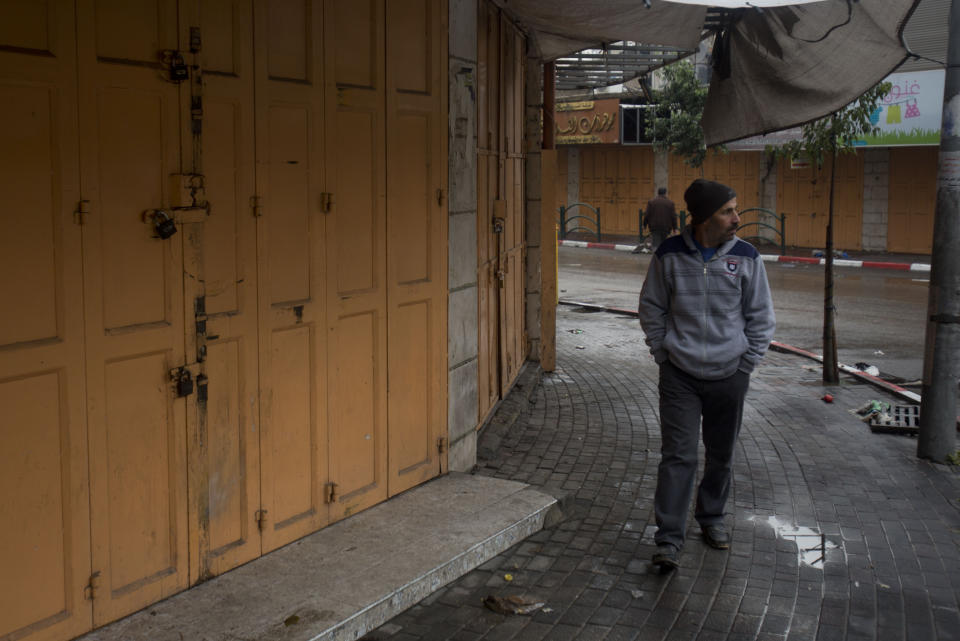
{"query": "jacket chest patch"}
[(733, 266)]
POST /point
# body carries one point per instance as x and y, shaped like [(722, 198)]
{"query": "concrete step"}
[(353, 576)]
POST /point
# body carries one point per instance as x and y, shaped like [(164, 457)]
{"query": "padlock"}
[(184, 384), (178, 68), (163, 224)]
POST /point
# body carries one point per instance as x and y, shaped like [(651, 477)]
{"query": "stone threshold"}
[(353, 576)]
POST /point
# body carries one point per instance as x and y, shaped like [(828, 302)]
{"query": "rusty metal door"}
[(220, 250), (416, 240), (356, 277), (45, 544), (491, 206), (912, 199), (133, 303), (290, 206), (804, 195)]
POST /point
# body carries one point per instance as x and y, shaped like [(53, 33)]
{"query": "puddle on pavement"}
[(812, 546)]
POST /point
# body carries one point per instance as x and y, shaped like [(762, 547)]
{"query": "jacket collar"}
[(722, 250)]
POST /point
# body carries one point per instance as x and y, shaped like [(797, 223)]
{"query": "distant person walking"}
[(660, 217), (706, 310)]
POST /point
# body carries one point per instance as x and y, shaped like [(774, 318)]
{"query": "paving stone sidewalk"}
[(890, 523)]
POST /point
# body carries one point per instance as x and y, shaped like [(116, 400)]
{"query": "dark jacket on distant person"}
[(661, 215)]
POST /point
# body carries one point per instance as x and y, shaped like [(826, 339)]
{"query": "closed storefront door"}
[(912, 199), (129, 116), (45, 547), (739, 169), (619, 181), (229, 309), (803, 194), (500, 227)]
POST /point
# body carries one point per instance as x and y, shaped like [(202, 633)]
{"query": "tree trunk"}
[(831, 373)]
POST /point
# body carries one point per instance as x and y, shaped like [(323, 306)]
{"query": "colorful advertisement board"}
[(908, 115)]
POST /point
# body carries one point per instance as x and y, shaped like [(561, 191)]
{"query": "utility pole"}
[(938, 409)]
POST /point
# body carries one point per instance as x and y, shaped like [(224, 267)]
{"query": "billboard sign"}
[(587, 122)]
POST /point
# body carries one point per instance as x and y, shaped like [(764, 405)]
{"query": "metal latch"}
[(330, 490), (261, 518), (201, 388), (81, 212), (200, 314), (90, 589), (326, 202)]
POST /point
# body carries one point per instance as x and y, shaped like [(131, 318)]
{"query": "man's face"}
[(722, 225)]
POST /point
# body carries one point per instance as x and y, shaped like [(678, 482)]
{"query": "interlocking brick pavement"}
[(890, 521)]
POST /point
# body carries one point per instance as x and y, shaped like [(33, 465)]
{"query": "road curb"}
[(774, 258)]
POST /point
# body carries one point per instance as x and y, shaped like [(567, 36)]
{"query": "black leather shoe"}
[(716, 536), (666, 558)]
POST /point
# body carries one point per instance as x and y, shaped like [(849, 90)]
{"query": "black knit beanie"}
[(705, 197)]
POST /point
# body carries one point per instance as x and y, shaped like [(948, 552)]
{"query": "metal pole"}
[(783, 234), (938, 409)]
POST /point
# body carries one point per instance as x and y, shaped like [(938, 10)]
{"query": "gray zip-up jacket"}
[(709, 318)]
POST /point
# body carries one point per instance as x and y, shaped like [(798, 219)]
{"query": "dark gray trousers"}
[(684, 399)]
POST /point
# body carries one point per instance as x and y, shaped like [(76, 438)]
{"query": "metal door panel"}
[(29, 243), (224, 444), (417, 240), (512, 338), (226, 29), (135, 264), (488, 185), (357, 421), (290, 211), (804, 195), (134, 32), (356, 250), (293, 448), (291, 253), (42, 591), (912, 199), (44, 491), (144, 457), (289, 39), (133, 290)]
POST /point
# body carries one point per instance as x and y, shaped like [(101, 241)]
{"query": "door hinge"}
[(440, 197), (90, 589), (326, 202), (261, 517), (81, 212), (256, 205), (330, 490), (442, 444)]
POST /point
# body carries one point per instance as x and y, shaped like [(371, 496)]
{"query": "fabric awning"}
[(788, 64)]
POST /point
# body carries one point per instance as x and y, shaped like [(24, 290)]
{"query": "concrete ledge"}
[(353, 576)]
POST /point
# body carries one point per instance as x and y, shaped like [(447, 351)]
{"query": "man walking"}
[(660, 217), (706, 310)]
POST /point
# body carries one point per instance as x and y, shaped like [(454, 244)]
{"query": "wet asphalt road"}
[(880, 313)]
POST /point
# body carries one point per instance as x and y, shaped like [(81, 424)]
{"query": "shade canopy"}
[(779, 66)]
